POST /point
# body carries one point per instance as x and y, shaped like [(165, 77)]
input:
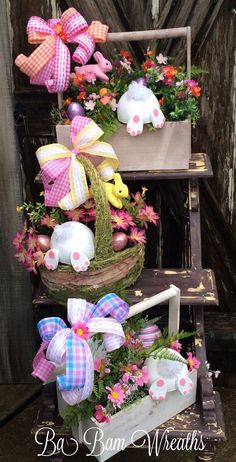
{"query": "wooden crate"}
[(168, 148), (138, 419), (104, 440)]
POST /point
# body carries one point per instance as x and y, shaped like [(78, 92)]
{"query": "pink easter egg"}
[(119, 241), (43, 242)]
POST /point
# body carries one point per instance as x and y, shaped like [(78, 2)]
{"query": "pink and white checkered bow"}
[(49, 64), (69, 346), (63, 176)]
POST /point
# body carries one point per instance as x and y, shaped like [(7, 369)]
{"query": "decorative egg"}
[(43, 242), (119, 241), (74, 109), (142, 81)]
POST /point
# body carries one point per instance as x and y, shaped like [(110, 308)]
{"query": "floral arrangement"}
[(33, 240), (121, 377), (177, 94)]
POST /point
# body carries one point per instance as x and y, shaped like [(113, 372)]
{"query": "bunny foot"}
[(135, 125), (158, 389), (51, 259), (184, 385), (157, 117), (79, 261)]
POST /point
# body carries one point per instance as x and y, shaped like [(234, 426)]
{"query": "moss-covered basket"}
[(109, 271)]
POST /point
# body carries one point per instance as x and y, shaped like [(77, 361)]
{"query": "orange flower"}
[(169, 71), (125, 54), (103, 91), (147, 64), (196, 91), (106, 99), (79, 78), (67, 101), (150, 53), (81, 96), (161, 101)]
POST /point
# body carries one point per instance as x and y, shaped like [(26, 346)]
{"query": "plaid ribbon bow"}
[(69, 346), (63, 175), (49, 64)]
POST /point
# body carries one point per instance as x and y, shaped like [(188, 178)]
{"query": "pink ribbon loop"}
[(69, 347), (49, 64)]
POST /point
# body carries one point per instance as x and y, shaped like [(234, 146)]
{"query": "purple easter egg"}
[(74, 109), (142, 81)]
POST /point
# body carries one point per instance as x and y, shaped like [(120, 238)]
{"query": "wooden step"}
[(198, 287)]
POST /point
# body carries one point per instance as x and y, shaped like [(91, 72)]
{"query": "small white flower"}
[(113, 104), (216, 373), (90, 105), (126, 65), (161, 59), (160, 77)]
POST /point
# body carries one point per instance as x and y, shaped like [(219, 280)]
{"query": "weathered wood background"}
[(213, 47)]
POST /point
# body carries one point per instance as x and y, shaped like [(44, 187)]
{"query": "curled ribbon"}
[(63, 176), (68, 346), (49, 64)]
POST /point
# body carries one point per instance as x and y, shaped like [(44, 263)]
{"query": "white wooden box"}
[(107, 439), (104, 440), (168, 148)]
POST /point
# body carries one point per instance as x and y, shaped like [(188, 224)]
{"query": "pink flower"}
[(146, 213), (141, 376), (90, 215), (18, 239), (75, 215), (192, 362), (136, 236), (176, 345), (81, 329), (129, 335), (101, 414), (100, 365), (93, 96), (106, 99), (191, 84), (121, 219), (32, 243), (113, 104), (116, 395), (48, 221), (128, 368), (39, 258), (90, 77), (30, 263), (21, 255)]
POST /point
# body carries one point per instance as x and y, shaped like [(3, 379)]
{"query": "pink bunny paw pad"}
[(184, 385), (157, 117), (158, 389), (79, 261), (51, 259), (135, 125)]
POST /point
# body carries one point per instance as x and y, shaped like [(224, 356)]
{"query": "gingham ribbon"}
[(49, 64), (63, 175), (65, 347)]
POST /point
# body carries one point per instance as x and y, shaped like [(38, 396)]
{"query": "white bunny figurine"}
[(72, 243), (100, 69), (139, 106), (167, 375)]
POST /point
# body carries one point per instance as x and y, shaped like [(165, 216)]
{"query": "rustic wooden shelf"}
[(199, 167), (197, 287)]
